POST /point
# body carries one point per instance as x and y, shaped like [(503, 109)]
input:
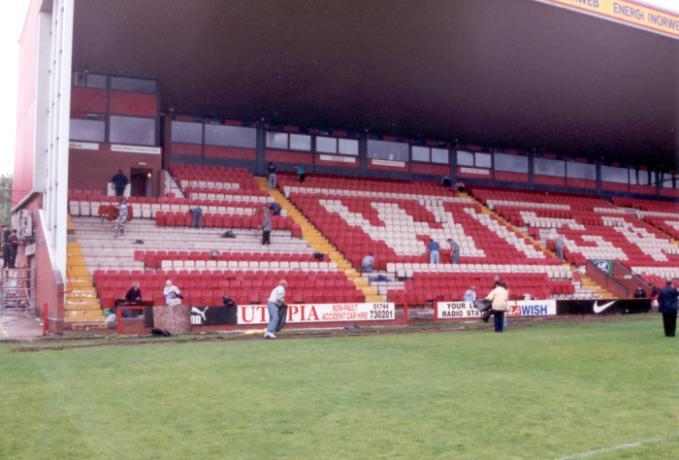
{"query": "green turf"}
[(539, 392)]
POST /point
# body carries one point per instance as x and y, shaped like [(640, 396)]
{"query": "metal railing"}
[(17, 289)]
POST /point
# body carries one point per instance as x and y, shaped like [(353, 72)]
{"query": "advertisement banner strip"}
[(462, 310), (321, 313), (626, 12)]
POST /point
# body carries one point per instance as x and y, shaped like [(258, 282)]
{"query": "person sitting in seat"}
[(172, 294), (275, 209), (367, 263), (470, 294), (133, 295)]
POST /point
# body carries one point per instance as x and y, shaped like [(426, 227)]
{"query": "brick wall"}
[(92, 170)]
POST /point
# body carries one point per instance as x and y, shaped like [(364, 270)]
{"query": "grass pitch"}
[(605, 390)]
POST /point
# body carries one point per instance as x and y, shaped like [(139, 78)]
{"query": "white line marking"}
[(605, 450)]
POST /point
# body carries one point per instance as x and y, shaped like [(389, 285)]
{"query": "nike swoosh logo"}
[(599, 308)]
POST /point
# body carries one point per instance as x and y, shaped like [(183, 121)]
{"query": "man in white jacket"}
[(499, 305), (275, 305)]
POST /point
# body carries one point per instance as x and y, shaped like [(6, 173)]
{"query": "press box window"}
[(348, 147), (300, 142), (584, 171), (230, 136), (132, 130), (511, 163), (135, 85), (613, 174), (326, 144), (465, 158), (386, 150), (89, 80), (88, 130), (545, 167), (420, 153), (440, 156), (187, 132), (277, 140)]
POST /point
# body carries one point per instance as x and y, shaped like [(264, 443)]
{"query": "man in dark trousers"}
[(266, 227), (667, 305), (120, 181), (4, 236), (13, 245)]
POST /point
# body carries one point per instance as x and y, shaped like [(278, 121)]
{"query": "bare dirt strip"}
[(100, 340)]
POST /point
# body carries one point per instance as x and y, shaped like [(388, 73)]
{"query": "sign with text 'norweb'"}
[(627, 12)]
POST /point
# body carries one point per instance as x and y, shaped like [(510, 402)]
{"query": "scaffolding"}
[(17, 289)]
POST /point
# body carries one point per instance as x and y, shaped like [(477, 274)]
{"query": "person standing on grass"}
[(499, 297), (266, 227), (667, 305), (277, 310)]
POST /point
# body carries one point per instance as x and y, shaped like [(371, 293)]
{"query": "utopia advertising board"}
[(320, 313), (628, 12)]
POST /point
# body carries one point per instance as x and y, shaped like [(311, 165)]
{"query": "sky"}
[(11, 22)]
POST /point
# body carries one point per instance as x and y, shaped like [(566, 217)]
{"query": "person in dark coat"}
[(667, 305), (271, 170), (120, 181), (639, 293), (133, 295), (13, 246), (5, 247)]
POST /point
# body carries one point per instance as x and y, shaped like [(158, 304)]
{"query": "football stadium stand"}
[(501, 234)]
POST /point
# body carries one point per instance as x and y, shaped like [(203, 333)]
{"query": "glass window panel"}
[(326, 144), (88, 130), (667, 180), (386, 150), (136, 85), (440, 156), (300, 142), (482, 160), (348, 147), (465, 158), (420, 153), (187, 132), (613, 174), (132, 130), (511, 163), (581, 170), (230, 136), (96, 81), (547, 167), (277, 140), (643, 177)]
